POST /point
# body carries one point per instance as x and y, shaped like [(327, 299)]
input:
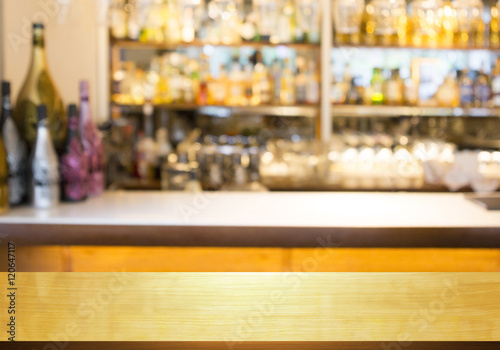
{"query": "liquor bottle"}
[(394, 89), (4, 176), (202, 97), (448, 94), (147, 149), (261, 86), (236, 93), (74, 169), (45, 190), (495, 84), (118, 19), (494, 36), (39, 89), (193, 185), (217, 88), (17, 153), (287, 95), (276, 71), (313, 90), (377, 87), (482, 90), (92, 144), (354, 95), (300, 86), (466, 87), (286, 23), (449, 25)]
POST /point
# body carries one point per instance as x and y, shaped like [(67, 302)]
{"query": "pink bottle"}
[(92, 144)]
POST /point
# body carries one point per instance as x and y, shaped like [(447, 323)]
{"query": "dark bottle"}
[(4, 174), (74, 170), (482, 90), (17, 153), (39, 89), (466, 87), (45, 168)]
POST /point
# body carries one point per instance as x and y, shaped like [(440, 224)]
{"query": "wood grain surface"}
[(253, 346), (223, 259), (240, 307)]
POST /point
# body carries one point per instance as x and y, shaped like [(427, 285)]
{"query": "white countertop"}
[(348, 211), (297, 209)]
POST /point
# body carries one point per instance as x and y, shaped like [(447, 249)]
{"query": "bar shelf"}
[(410, 111)]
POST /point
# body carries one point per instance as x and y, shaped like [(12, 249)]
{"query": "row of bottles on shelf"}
[(428, 23), (59, 161), (461, 88), (43, 178), (224, 163), (176, 79), (216, 21)]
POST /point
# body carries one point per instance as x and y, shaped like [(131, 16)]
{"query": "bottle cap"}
[(41, 111), (38, 26), (72, 110), (5, 88), (84, 89)]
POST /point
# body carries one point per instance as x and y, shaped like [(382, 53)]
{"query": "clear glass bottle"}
[(73, 167), (45, 191), (286, 22), (17, 153), (276, 73), (287, 95), (309, 19), (38, 89), (313, 89)]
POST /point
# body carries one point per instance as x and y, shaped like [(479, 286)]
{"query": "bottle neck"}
[(6, 109), (42, 136), (39, 56), (73, 127)]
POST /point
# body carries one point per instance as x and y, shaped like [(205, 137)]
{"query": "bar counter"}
[(285, 220)]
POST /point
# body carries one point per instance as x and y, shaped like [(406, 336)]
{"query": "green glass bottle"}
[(4, 178), (39, 89)]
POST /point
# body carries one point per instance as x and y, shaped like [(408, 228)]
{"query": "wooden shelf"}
[(406, 111), (415, 47), (226, 111), (131, 45)]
